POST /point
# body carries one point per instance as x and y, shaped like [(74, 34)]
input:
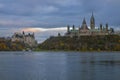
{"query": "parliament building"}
[(85, 31)]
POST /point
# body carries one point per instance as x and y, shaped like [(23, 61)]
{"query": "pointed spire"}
[(92, 22), (84, 25), (84, 21), (92, 14), (92, 17)]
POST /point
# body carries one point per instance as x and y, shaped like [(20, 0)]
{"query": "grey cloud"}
[(57, 12)]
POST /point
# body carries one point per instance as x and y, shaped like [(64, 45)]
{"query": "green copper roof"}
[(74, 30), (94, 30)]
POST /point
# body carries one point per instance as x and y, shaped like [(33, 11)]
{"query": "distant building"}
[(28, 39), (85, 31)]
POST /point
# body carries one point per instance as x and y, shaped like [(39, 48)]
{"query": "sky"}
[(41, 34), (47, 14), (55, 13)]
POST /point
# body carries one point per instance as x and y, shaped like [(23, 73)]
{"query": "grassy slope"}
[(83, 43)]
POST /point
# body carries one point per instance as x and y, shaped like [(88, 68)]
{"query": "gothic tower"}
[(92, 22), (84, 25)]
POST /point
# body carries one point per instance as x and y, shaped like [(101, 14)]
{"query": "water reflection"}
[(59, 66), (92, 67)]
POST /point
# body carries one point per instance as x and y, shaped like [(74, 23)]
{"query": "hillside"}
[(7, 45), (83, 43)]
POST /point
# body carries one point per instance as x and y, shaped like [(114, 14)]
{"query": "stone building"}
[(85, 31), (27, 39)]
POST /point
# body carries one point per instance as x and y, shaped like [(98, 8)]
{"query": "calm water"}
[(59, 66)]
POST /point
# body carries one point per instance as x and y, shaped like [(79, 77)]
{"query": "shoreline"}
[(59, 51)]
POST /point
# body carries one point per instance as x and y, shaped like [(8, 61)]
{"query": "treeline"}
[(83, 43), (8, 45)]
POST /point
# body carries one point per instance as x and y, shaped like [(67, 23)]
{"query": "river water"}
[(59, 65)]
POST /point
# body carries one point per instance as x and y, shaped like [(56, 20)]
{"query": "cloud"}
[(43, 29), (19, 23), (45, 9), (1, 5), (51, 13), (41, 34), (67, 2)]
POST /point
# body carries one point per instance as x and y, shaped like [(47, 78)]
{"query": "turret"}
[(23, 33), (106, 26), (73, 27), (68, 28), (29, 34), (101, 27), (92, 22), (111, 30), (33, 35), (59, 34)]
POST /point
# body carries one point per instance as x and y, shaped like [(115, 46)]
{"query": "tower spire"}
[(92, 14), (84, 25), (92, 22), (84, 21)]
